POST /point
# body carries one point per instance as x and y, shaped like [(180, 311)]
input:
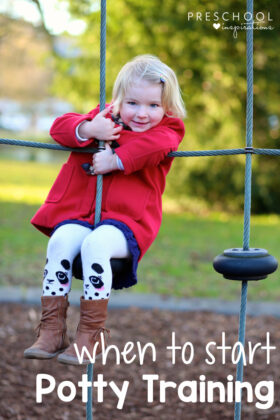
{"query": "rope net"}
[(248, 151)]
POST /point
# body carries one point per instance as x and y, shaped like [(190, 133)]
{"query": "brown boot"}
[(51, 331), (93, 314)]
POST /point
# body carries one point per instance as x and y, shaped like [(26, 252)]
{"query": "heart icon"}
[(216, 25)]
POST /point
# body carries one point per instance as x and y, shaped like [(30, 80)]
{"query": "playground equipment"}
[(243, 264)]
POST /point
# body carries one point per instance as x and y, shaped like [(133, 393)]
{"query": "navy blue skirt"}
[(127, 277)]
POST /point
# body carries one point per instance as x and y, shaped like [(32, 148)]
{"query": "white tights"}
[(96, 248)]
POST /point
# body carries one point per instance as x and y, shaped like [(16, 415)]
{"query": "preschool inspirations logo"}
[(234, 21)]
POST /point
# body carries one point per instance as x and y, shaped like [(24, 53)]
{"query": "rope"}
[(99, 184), (102, 97), (241, 339), (247, 198), (191, 153), (89, 394), (248, 151), (12, 142), (249, 127)]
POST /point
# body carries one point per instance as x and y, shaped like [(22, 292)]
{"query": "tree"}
[(211, 67), (24, 53)]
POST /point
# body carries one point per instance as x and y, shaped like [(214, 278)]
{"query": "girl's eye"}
[(154, 105), (131, 103)]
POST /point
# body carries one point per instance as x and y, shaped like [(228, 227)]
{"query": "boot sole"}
[(72, 360), (40, 354)]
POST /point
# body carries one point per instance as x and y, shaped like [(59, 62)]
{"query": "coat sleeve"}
[(64, 128), (151, 147)]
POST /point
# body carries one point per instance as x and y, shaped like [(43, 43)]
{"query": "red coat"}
[(132, 196)]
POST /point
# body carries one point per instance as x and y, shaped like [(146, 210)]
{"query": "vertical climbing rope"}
[(99, 184), (102, 102), (247, 195), (271, 263)]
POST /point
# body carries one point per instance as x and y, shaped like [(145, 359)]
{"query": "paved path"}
[(121, 299)]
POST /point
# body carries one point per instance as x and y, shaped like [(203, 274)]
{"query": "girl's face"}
[(141, 108)]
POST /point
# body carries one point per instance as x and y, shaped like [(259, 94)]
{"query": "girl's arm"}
[(93, 125), (138, 150), (151, 147)]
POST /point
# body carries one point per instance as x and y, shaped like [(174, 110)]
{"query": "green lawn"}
[(179, 262)]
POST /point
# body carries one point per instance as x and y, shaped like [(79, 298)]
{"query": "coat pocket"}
[(61, 184)]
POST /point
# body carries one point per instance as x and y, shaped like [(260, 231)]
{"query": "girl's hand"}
[(100, 128), (104, 162)]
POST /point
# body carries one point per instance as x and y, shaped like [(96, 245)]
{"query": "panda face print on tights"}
[(96, 282), (55, 280)]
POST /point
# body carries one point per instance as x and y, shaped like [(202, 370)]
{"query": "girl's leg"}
[(103, 243), (64, 245)]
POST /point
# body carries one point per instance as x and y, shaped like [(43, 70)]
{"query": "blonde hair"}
[(153, 70)]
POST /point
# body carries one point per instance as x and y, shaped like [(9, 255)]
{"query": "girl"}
[(143, 124)]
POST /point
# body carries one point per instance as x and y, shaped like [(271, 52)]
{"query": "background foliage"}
[(211, 67)]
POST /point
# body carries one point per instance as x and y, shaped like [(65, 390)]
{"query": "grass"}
[(26, 182), (180, 260), (179, 263)]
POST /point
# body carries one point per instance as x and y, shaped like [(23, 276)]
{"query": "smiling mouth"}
[(140, 123)]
